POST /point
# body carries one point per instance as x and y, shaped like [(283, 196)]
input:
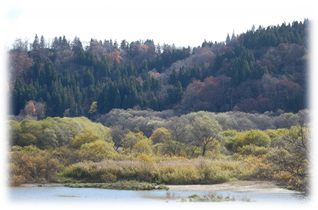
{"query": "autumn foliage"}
[(30, 109), (198, 95)]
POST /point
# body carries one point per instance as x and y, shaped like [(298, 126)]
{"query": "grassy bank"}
[(120, 185), (195, 171)]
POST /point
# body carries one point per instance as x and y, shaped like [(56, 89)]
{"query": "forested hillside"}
[(264, 69)]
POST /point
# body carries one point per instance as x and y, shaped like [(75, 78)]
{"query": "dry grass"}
[(195, 171)]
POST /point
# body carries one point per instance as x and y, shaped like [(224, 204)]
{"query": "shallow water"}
[(66, 194)]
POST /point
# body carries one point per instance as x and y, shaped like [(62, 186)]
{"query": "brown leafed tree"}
[(207, 95)]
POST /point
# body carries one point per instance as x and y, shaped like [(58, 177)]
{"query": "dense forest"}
[(264, 69), (107, 112)]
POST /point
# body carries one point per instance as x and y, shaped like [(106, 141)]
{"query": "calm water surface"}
[(44, 194)]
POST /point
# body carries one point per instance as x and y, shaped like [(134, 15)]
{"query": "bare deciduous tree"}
[(118, 133), (205, 132), (179, 128)]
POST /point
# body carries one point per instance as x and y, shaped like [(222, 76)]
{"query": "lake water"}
[(84, 195)]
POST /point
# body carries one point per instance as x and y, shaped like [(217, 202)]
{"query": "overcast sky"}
[(184, 23)]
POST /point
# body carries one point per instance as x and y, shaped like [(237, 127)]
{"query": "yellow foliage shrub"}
[(98, 150), (142, 147), (251, 149), (160, 135), (31, 164), (87, 135), (144, 157)]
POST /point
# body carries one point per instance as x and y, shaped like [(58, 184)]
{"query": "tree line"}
[(75, 80)]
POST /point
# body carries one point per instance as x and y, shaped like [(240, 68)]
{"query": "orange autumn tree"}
[(30, 109), (115, 55), (143, 47), (155, 74)]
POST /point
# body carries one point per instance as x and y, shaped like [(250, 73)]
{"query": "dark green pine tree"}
[(153, 103), (159, 63), (154, 84), (42, 77), (229, 54), (236, 79), (230, 71), (133, 96), (65, 99), (48, 99), (146, 85), (23, 96), (175, 94), (108, 99), (65, 43), (179, 91), (254, 74), (296, 99), (142, 100), (217, 64), (245, 71), (50, 72), (287, 101), (36, 43), (104, 68), (16, 97), (146, 66), (126, 103), (80, 58), (162, 104), (194, 72), (73, 108), (78, 96), (66, 79), (88, 78), (123, 70), (59, 106), (90, 93), (173, 79), (117, 102), (37, 85), (184, 77), (276, 103), (131, 69), (116, 75), (123, 88), (101, 100), (30, 92), (36, 70), (115, 65)]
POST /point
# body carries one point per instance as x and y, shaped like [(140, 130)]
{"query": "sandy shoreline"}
[(40, 185), (236, 186)]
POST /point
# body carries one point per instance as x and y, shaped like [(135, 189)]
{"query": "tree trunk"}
[(203, 149)]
